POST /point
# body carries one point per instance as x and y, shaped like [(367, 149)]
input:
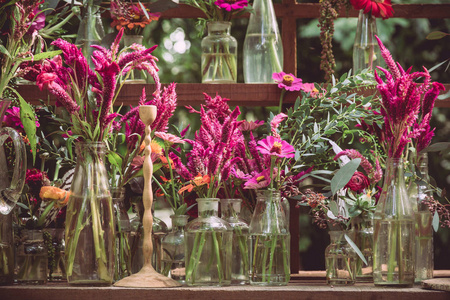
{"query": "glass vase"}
[(366, 53), (31, 258), (219, 54), (269, 241), (419, 191), (6, 250), (90, 31), (263, 48), (393, 250), (340, 260), (173, 249), (208, 256), (362, 236), (230, 211), (90, 237), (135, 76), (54, 238), (123, 233)]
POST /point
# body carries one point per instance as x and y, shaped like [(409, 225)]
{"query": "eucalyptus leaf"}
[(28, 119), (435, 221), (353, 245), (343, 176)]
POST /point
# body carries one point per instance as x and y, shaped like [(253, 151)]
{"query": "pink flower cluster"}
[(403, 99)]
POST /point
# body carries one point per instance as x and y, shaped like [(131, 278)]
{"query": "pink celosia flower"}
[(37, 19), (249, 126), (275, 147), (287, 81), (230, 5), (169, 138)]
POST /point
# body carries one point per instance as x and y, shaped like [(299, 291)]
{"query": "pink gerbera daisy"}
[(275, 147), (287, 81), (169, 138), (259, 181), (230, 5)]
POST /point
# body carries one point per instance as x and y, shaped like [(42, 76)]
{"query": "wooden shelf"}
[(298, 288), (192, 94)]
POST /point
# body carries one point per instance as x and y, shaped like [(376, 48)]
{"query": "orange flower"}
[(164, 161), (198, 180), (56, 194), (156, 148)]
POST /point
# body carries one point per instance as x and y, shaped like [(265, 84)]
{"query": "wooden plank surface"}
[(192, 94), (441, 284), (303, 290)]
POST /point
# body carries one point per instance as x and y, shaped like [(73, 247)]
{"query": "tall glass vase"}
[(419, 191), (31, 258), (90, 31), (362, 236), (135, 76), (123, 233), (208, 245), (263, 48), (90, 238), (366, 53), (269, 242), (393, 253), (230, 211), (173, 264), (219, 54)]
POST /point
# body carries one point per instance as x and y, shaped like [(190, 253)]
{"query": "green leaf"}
[(115, 160), (437, 147), (343, 176), (353, 245), (43, 55), (28, 119), (436, 35), (435, 221), (4, 51)]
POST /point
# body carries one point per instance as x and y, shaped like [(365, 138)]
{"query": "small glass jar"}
[(362, 236), (208, 247), (56, 248), (230, 211), (219, 54), (340, 260), (31, 258), (173, 264)]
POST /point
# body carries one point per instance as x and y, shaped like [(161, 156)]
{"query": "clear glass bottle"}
[(90, 236), (418, 192), (219, 54), (208, 247), (56, 246), (6, 250), (362, 236), (90, 31), (159, 231), (269, 241), (173, 264), (123, 232), (366, 53), (135, 76), (263, 48), (393, 249), (340, 260), (31, 258), (230, 211)]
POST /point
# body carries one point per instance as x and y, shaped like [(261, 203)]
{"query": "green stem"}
[(287, 270), (217, 253), (272, 253)]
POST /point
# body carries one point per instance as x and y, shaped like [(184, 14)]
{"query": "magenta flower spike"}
[(388, 59)]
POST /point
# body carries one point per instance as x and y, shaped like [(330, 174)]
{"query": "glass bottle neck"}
[(337, 236), (208, 207), (230, 208), (179, 221), (219, 28), (394, 171)]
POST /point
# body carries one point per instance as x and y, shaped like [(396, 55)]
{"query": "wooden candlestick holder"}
[(147, 276)]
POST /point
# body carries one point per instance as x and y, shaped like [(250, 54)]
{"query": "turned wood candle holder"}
[(147, 276)]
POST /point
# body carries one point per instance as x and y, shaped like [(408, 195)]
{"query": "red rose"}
[(358, 182)]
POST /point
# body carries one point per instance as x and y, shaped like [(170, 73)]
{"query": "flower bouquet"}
[(88, 96)]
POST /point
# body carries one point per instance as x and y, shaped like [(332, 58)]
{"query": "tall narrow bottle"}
[(230, 211), (393, 253), (263, 49), (366, 53), (418, 193)]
